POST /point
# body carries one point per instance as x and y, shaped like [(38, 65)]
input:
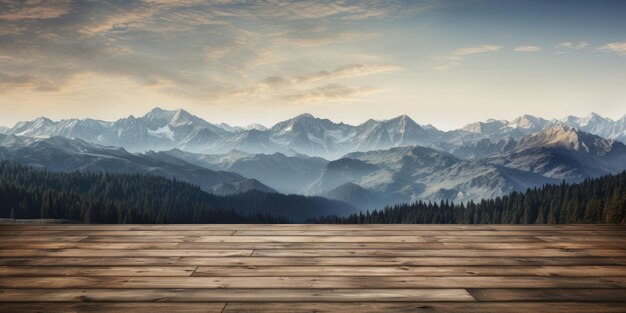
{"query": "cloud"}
[(214, 53), (306, 88), (454, 58), (33, 10), (193, 48), (352, 70), (572, 45), (313, 38), (172, 16), (349, 71), (324, 9), (527, 49), (615, 47), (566, 44), (475, 50), (20, 81), (330, 92)]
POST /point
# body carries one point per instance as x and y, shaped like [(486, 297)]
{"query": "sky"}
[(445, 63)]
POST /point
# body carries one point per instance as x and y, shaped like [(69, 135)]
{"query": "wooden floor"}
[(312, 268)]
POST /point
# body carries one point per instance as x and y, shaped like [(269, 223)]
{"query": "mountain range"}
[(369, 165), (66, 155), (178, 129)]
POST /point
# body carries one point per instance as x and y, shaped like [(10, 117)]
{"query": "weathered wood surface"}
[(312, 268)]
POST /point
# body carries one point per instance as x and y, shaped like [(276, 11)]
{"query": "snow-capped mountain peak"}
[(569, 138), (487, 127), (161, 129), (592, 120), (256, 127), (528, 122)]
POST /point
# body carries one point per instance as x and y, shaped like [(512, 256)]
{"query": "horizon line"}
[(319, 117)]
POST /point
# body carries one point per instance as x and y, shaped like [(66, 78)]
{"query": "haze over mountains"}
[(66, 155), (368, 165)]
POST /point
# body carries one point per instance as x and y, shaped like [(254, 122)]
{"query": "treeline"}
[(26, 192), (593, 201)]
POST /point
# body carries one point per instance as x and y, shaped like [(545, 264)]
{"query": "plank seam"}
[(469, 291), (194, 271)]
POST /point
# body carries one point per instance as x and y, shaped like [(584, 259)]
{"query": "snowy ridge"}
[(178, 129)]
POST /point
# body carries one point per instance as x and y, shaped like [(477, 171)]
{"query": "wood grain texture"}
[(285, 282), (100, 253), (137, 307), (147, 245), (428, 271), (490, 233), (396, 227), (426, 307), (308, 261), (317, 307), (241, 295), (549, 294), (123, 271), (478, 253), (312, 268), (386, 239)]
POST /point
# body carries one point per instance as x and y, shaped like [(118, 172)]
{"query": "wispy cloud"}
[(527, 49), (319, 9), (189, 47), (454, 58), (615, 47), (36, 83), (33, 10), (316, 86), (352, 70), (318, 37), (475, 50), (572, 45), (330, 92)]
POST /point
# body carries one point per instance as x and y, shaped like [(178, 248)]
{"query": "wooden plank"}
[(323, 239), (429, 307), (235, 295), (587, 246), (482, 239), (168, 271), (20, 239), (251, 271), (313, 282), (104, 232), (491, 233), (124, 253), (368, 307), (579, 294), (173, 238), (390, 239), (345, 227), (536, 245), (582, 238), (143, 307), (435, 253), (307, 261), (93, 245), (282, 307)]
